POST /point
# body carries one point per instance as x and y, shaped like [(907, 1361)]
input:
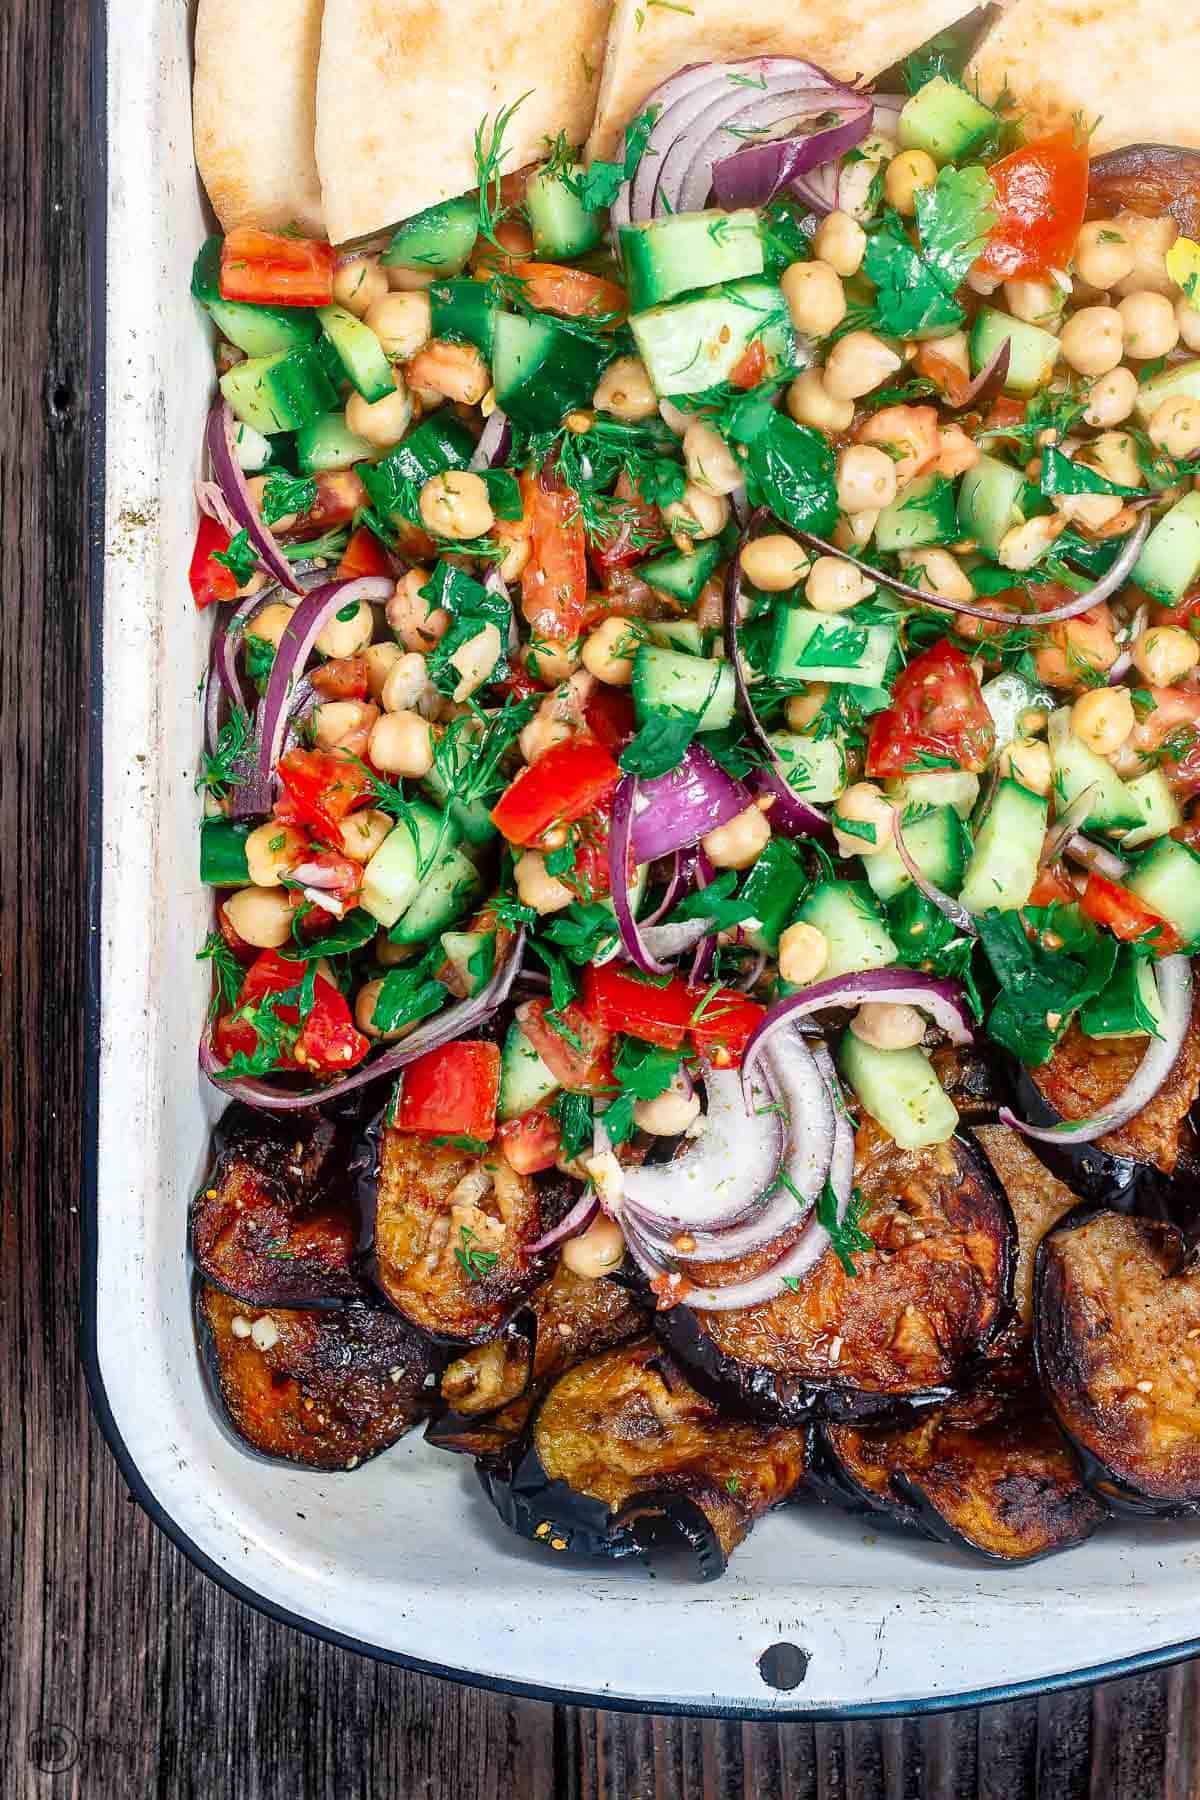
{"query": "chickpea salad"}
[(704, 711)]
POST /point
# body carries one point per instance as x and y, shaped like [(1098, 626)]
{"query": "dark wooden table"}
[(122, 1671)]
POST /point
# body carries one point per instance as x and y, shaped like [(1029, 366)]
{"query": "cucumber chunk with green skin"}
[(461, 947), (919, 929), (392, 878), (525, 1081), (900, 1091), (685, 251), (1167, 878), (1130, 1005), (771, 890), (279, 392), (472, 818), (1170, 559), (359, 352), (439, 443), (542, 371), (1184, 378), (223, 853), (328, 443), (923, 513), (258, 330), (937, 787), (462, 312), (693, 344), (814, 768), (1032, 352), (1003, 866), (846, 915), (560, 224), (682, 575), (813, 646), (1078, 769), (445, 894), (437, 241), (935, 844), (989, 502), (944, 120), (1009, 695), (680, 634), (682, 686), (1151, 794)]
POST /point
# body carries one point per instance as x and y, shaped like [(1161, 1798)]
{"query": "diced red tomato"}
[(1004, 412), (563, 785), (1040, 196), (340, 494), (608, 715), (584, 1066), (642, 531), (326, 1042), (1052, 888), (658, 1013), (363, 555), (589, 874), (268, 269), (750, 367), (530, 1143), (342, 678), (723, 1025), (572, 293), (937, 712), (318, 788), (1108, 903), (520, 683), (210, 580), (453, 1091), (554, 580)]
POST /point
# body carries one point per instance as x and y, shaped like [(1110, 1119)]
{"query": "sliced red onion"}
[(747, 982), (618, 879), (779, 1212), (723, 1173), (494, 442), (798, 1084), (1174, 977), (719, 127), (990, 379), (674, 811), (945, 1001), (456, 1022), (819, 188), (1065, 826), (754, 174), (702, 962), (947, 905), (1123, 663), (672, 940), (1096, 856), (230, 477), (576, 1221), (229, 647), (212, 502), (675, 884)]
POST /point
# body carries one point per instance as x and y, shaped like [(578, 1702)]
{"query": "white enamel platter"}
[(403, 1558)]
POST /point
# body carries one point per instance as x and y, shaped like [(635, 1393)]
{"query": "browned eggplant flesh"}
[(1118, 1347), (325, 1389), (624, 1454), (920, 1311), (1038, 1200), (1151, 179)]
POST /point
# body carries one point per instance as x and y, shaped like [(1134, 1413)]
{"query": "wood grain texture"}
[(123, 1672)]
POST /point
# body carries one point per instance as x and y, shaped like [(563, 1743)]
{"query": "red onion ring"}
[(214, 505), (753, 175), (945, 1001), (674, 811), (494, 442), (218, 437), (1065, 827), (990, 380), (618, 879), (820, 188), (1096, 856), (947, 905), (676, 881), (722, 1175), (1124, 661), (575, 1222)]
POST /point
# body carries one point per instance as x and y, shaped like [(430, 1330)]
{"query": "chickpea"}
[(1037, 302), (545, 893), (774, 563), (833, 585), (475, 659), (810, 403), (402, 323), (940, 572), (338, 720), (906, 174), (802, 709), (1103, 718), (1164, 654), (888, 1025), (1027, 760), (552, 659), (841, 242), (1077, 644), (456, 505), (1151, 328), (261, 916), (711, 464), (858, 363), (981, 283), (402, 744), (866, 477), (956, 452), (271, 850), (1111, 398), (1175, 426), (595, 1252), (347, 637), (406, 683), (1032, 721), (1092, 511), (381, 423), (626, 391), (1103, 254), (699, 515), (256, 487), (365, 1002), (815, 297), (381, 659), (364, 832), (863, 804), (1114, 453), (854, 530), (674, 416), (909, 434), (270, 622), (803, 953), (390, 955), (357, 284), (454, 371), (739, 842), (542, 734), (1093, 339), (1149, 240), (1024, 545), (608, 651), (669, 1113), (417, 625), (410, 281), (1188, 320)]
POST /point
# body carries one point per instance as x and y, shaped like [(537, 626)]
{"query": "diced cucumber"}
[(460, 948), (1184, 378), (1170, 559), (279, 392), (327, 442), (900, 1091), (445, 894), (223, 852), (392, 878), (935, 844), (679, 634), (437, 241), (1151, 794), (1003, 866), (689, 345), (439, 443), (668, 681), (560, 223), (1009, 695), (989, 502), (359, 352), (682, 575), (1032, 352), (919, 929), (814, 767), (258, 330), (922, 513), (1078, 768), (472, 818), (813, 646), (462, 312), (684, 251), (937, 787), (1167, 878), (1130, 1005), (542, 371), (771, 889), (944, 120), (853, 926), (525, 1081)]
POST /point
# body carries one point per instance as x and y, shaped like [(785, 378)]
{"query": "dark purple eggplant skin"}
[(1150, 179)]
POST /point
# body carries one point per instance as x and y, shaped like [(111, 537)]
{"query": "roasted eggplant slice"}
[(623, 1455), (911, 1323), (492, 1388), (326, 1389), (1038, 1200), (991, 1476), (1118, 1351), (1151, 179), (446, 1231), (274, 1224)]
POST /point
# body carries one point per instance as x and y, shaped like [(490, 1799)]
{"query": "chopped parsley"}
[(643, 1072), (284, 494), (475, 1264)]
